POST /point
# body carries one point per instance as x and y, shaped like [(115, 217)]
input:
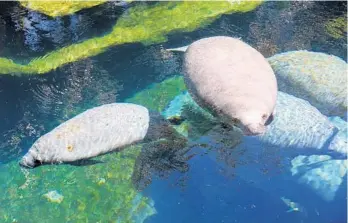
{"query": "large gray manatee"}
[(298, 126), (97, 131), (232, 80)]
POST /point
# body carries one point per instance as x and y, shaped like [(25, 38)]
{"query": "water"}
[(215, 181)]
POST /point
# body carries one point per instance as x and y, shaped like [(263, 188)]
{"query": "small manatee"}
[(97, 131)]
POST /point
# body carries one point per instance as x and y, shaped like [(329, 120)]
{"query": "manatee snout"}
[(254, 129), (257, 127), (29, 161)]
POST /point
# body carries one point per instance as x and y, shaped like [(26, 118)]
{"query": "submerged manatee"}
[(232, 80), (97, 131), (297, 126)]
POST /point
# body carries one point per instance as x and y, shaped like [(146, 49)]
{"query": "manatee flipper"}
[(178, 49), (84, 162)]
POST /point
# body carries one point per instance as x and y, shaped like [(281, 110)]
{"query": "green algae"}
[(157, 96), (147, 24), (337, 28), (101, 192), (85, 200), (59, 8)]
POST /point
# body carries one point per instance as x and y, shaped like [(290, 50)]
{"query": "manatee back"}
[(224, 73), (96, 131), (299, 124)]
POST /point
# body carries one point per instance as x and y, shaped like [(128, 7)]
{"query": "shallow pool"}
[(58, 60)]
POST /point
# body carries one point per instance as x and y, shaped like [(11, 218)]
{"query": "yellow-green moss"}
[(337, 28), (145, 24), (59, 8), (24, 193)]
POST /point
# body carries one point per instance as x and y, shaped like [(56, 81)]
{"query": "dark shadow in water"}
[(163, 151), (159, 159), (31, 34)]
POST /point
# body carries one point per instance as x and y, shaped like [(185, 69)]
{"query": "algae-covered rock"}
[(157, 96), (337, 28), (59, 8), (54, 196), (87, 197), (316, 77), (142, 23)]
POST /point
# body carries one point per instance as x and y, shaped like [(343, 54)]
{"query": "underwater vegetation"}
[(158, 95), (102, 192), (147, 24), (337, 28), (83, 193), (282, 26), (59, 8)]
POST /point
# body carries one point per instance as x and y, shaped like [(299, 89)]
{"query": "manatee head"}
[(254, 123)]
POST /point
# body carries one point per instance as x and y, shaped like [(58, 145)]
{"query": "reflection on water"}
[(221, 175)]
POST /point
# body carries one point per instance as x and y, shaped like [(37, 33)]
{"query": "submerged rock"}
[(320, 172), (54, 197), (134, 26), (319, 78), (59, 8)]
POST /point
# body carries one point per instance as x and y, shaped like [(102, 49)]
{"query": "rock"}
[(320, 172), (319, 78), (54, 197)]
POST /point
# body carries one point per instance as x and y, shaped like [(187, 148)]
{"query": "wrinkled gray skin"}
[(97, 131), (298, 124), (232, 80)]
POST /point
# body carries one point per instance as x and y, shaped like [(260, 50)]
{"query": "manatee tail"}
[(179, 49), (28, 161)]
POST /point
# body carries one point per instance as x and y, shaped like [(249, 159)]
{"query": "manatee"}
[(232, 80), (300, 147), (319, 78), (298, 126), (97, 131)]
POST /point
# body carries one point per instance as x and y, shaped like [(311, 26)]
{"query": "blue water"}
[(220, 185)]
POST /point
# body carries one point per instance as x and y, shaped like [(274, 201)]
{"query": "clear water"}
[(212, 182)]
